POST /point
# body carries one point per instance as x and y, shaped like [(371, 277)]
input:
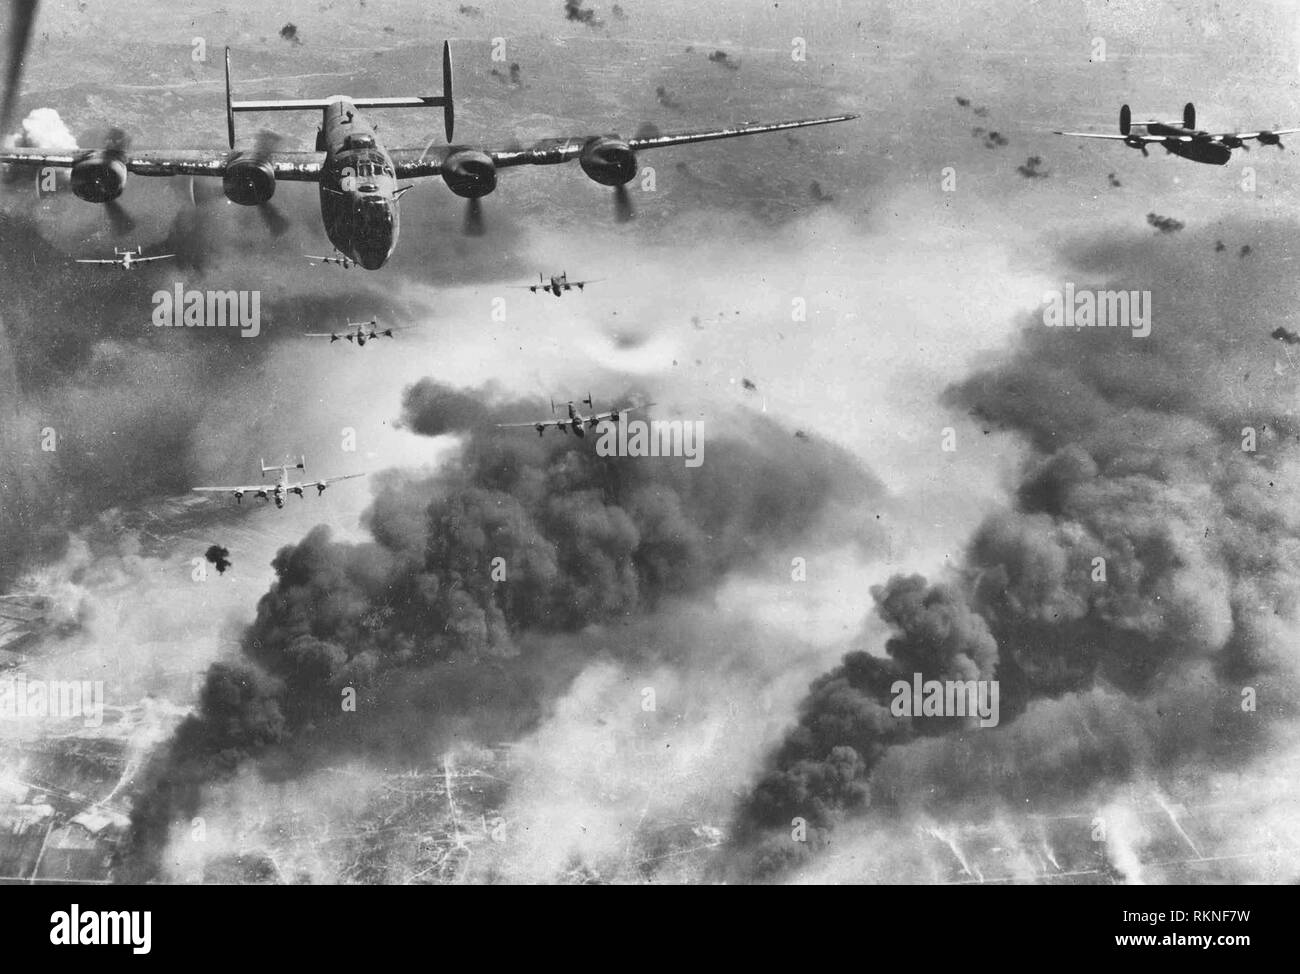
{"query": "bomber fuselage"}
[(1199, 149), (358, 187)]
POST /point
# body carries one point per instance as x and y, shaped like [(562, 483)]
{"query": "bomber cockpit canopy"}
[(371, 167), (359, 141)]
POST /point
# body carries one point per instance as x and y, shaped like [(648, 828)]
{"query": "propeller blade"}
[(266, 142), (474, 225), (184, 188), (623, 211), (276, 222), (197, 191), (23, 13), (117, 139), (119, 220), (192, 235)]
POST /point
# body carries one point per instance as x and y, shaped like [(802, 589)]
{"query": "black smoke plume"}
[(479, 574), (1140, 586)]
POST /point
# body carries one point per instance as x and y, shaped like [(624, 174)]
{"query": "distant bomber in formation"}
[(365, 331), (557, 285), (575, 420), (281, 487), (344, 262), (1185, 140), (125, 259), (358, 177)]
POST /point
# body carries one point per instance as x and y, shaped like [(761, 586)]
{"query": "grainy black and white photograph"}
[(810, 442)]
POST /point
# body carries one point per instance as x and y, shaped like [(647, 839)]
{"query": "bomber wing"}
[(1264, 135), (246, 489), (322, 483), (547, 423), (288, 166), (1126, 138), (616, 413), (415, 163)]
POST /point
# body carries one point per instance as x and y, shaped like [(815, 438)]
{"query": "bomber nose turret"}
[(375, 226)]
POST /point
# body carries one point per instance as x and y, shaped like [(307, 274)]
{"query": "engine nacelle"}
[(99, 177), (249, 181), (608, 161), (469, 173)]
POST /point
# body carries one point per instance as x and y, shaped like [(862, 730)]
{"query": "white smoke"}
[(42, 129)]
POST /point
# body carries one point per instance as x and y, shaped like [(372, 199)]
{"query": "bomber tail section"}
[(283, 467), (443, 101)]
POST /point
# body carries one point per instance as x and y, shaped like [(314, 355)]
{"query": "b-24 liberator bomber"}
[(1184, 140), (282, 485), (362, 332), (359, 179), (125, 259), (575, 421)]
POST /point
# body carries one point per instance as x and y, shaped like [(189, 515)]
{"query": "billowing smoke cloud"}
[(434, 409), (455, 608), (1137, 604), (43, 129)]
